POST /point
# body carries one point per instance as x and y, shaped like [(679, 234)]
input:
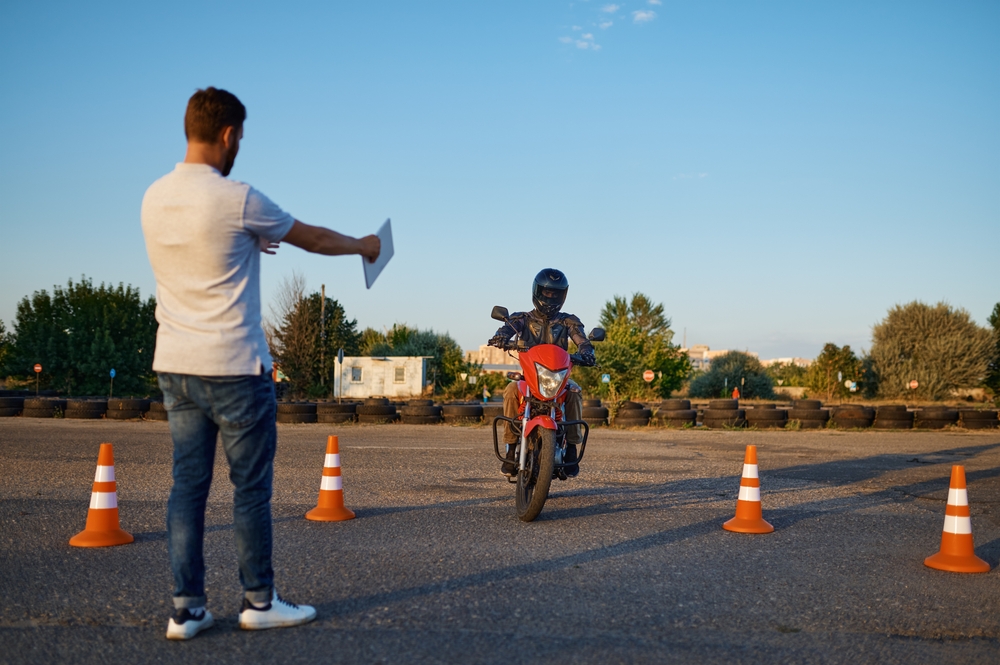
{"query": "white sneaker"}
[(276, 614), (183, 626)]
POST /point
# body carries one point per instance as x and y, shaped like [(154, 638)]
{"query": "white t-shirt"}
[(202, 236)]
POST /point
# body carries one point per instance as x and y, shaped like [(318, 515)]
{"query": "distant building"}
[(493, 359), (799, 362), (701, 356), (389, 376)]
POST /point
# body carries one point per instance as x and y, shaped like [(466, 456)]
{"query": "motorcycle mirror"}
[(499, 313), (596, 335)]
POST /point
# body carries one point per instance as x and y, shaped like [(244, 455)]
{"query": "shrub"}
[(726, 373), (833, 366), (938, 346)]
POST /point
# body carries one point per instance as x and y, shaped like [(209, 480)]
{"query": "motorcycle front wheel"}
[(533, 481)]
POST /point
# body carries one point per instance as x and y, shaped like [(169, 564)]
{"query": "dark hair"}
[(209, 111)]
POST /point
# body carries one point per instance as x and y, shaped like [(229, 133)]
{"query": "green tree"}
[(734, 370), (5, 342), (993, 369), (833, 366), (447, 362), (940, 347), (79, 333), (786, 374), (638, 338), (306, 342)]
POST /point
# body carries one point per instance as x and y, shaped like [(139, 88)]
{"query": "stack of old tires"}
[(491, 410), (421, 412), (126, 409), (336, 412), (893, 416), (724, 413), (462, 414), (766, 416), (935, 417), (86, 409), (156, 411), (852, 416), (809, 413), (296, 412), (676, 413), (11, 406), (377, 410), (631, 414), (594, 414), (971, 419), (43, 407)]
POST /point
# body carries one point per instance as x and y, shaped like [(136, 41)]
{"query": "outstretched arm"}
[(319, 240)]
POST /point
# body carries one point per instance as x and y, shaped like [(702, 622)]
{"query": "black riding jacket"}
[(533, 329)]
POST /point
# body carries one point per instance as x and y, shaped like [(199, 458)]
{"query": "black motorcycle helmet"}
[(548, 293)]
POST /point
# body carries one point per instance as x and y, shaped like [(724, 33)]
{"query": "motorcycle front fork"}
[(560, 439)]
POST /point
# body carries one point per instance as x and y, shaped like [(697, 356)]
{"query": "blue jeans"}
[(242, 410)]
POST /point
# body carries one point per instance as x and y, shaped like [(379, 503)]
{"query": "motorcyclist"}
[(545, 324)]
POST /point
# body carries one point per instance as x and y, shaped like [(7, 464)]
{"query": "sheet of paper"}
[(373, 270)]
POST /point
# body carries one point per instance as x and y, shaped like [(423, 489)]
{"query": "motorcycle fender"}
[(544, 421)]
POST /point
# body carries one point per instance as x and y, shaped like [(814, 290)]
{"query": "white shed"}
[(387, 376)]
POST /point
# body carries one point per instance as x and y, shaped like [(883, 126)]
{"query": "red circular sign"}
[(648, 375), (38, 368), (913, 384)]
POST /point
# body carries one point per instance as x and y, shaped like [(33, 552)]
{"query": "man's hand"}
[(268, 246), (499, 341), (371, 247)]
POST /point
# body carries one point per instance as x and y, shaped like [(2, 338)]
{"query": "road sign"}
[(38, 368), (605, 378), (648, 375), (840, 376), (112, 373), (340, 356), (914, 385), (848, 383)]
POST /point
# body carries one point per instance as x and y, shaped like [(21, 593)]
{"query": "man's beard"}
[(228, 166)]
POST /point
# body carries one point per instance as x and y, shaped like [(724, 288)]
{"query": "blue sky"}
[(778, 174)]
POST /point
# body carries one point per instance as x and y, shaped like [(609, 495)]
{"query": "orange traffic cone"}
[(102, 528), (748, 514), (331, 491), (957, 554)]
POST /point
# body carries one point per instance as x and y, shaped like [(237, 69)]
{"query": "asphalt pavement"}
[(627, 563)]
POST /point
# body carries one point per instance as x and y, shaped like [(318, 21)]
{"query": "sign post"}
[(112, 391), (605, 378), (38, 371), (340, 361)]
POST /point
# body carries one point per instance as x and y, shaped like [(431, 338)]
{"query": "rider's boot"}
[(509, 467), (570, 458)]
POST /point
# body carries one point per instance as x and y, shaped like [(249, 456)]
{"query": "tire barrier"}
[(458, 414), (595, 415), (421, 412), (85, 409), (724, 413), (377, 411), (126, 409), (935, 417), (43, 407), (631, 414), (296, 412), (852, 416), (157, 411), (675, 413), (893, 416), (11, 406), (809, 414), (766, 416), (969, 419), (334, 412)]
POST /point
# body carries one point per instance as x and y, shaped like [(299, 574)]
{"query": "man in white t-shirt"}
[(204, 236)]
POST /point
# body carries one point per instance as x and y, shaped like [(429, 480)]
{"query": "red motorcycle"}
[(541, 424)]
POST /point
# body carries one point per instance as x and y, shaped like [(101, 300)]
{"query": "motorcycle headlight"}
[(549, 381)]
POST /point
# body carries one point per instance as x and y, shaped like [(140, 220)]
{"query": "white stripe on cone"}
[(100, 500), (332, 483), (750, 471), (105, 474), (332, 460), (749, 494), (957, 525), (958, 497)]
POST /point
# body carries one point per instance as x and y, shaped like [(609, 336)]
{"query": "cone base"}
[(101, 538), (956, 563), (742, 525), (318, 514)]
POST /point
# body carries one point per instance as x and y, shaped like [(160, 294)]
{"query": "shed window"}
[(400, 375), (355, 375)]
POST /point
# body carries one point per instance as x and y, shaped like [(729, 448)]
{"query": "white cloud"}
[(604, 25), (610, 9), (643, 16), (656, 2), (576, 27), (587, 36), (588, 46), (566, 40)]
